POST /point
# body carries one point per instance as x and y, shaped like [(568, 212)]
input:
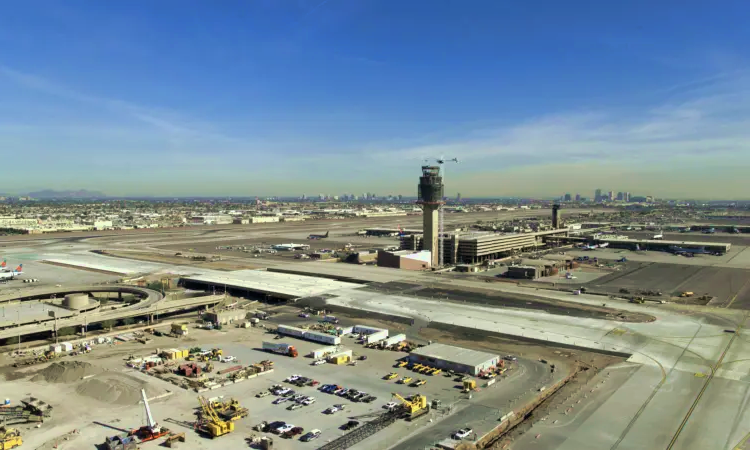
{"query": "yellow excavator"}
[(413, 407), (212, 424), (10, 438)]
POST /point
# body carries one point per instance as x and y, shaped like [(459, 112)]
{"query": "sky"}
[(292, 97)]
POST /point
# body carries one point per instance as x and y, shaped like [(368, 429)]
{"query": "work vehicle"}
[(10, 438), (211, 423), (280, 348), (469, 385), (312, 434), (390, 376), (404, 380), (349, 425), (419, 383), (413, 407), (152, 430), (402, 364), (463, 433), (436, 372)]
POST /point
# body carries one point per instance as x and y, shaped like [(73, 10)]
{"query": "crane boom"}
[(150, 422)]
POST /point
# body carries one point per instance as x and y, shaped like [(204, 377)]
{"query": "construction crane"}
[(152, 430), (415, 406), (441, 222), (212, 424)]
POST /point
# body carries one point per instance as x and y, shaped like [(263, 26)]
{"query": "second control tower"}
[(430, 194)]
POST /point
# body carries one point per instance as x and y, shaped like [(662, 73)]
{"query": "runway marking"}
[(714, 369), (738, 293)]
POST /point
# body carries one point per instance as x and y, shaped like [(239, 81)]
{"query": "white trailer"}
[(322, 337), (323, 351), (367, 330), (290, 331), (376, 336), (394, 340)]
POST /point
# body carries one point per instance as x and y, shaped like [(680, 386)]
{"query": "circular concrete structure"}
[(76, 301)]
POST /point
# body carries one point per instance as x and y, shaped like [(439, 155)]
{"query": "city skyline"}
[(278, 98)]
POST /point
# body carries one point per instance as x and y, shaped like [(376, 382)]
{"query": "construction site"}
[(601, 348)]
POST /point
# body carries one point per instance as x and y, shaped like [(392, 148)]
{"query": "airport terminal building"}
[(475, 247)]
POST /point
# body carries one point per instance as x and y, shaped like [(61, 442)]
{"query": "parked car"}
[(349, 425), (298, 397), (288, 393), (280, 400), (312, 434), (369, 399), (294, 406), (318, 362), (390, 406), (308, 401), (262, 394), (304, 315), (228, 359), (284, 428), (273, 426), (510, 358), (463, 433), (331, 410), (293, 432)]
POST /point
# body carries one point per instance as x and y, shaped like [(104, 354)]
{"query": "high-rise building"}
[(611, 196), (598, 195), (626, 196), (620, 196), (567, 197), (458, 197), (578, 197), (400, 197)]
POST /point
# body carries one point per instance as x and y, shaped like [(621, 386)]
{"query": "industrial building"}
[(405, 259), (479, 246), (673, 246), (448, 357), (226, 316)]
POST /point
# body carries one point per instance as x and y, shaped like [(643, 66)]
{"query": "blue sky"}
[(284, 97)]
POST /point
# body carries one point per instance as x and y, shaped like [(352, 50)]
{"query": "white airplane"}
[(11, 274)]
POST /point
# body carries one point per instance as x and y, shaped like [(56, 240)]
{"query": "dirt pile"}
[(117, 388), (66, 372)]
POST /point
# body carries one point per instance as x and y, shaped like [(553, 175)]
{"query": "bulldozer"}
[(212, 424), (10, 438)]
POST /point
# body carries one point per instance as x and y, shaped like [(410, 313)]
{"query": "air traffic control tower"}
[(430, 194)]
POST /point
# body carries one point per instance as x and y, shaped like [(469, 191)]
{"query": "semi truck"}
[(280, 348)]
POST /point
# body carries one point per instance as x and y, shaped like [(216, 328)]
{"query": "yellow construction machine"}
[(413, 407), (469, 385), (212, 424), (10, 438)]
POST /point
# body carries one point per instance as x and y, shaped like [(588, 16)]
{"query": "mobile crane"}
[(152, 430), (415, 406)]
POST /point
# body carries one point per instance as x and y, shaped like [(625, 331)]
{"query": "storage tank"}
[(76, 301)]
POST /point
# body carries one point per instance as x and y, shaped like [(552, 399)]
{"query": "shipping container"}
[(345, 330), (322, 337), (331, 319), (376, 336), (67, 347), (290, 331), (341, 357), (57, 348), (394, 340), (323, 351)]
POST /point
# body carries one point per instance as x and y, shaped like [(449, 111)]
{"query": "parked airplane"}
[(11, 274), (290, 247), (709, 231), (318, 236)]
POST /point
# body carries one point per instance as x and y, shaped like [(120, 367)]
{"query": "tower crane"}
[(441, 225)]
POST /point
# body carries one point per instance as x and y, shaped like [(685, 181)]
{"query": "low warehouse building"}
[(448, 357), (226, 316), (404, 259)]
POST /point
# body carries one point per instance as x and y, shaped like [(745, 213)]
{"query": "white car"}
[(390, 406), (462, 433), (284, 428), (308, 401), (280, 400), (228, 359), (292, 378), (318, 362), (331, 410), (283, 391)]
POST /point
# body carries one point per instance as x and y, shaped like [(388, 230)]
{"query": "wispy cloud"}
[(714, 119)]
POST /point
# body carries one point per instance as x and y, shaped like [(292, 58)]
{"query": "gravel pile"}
[(66, 372), (117, 388)]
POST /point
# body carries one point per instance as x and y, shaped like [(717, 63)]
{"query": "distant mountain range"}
[(50, 194)]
